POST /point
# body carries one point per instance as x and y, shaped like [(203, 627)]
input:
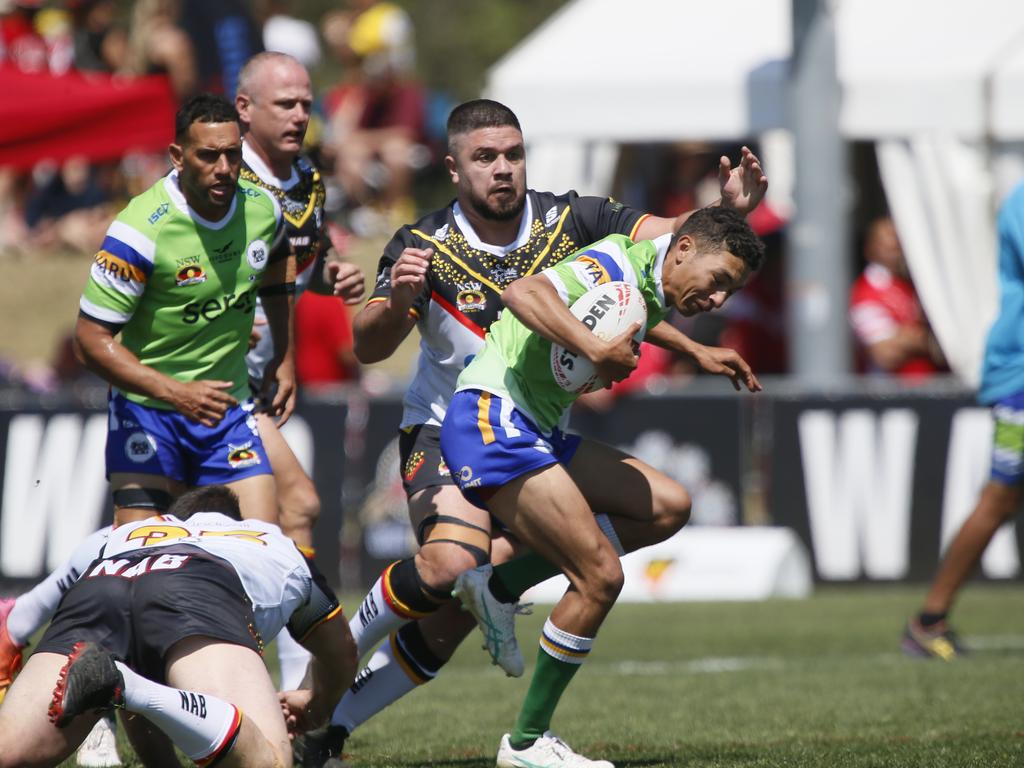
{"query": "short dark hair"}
[(479, 113), (209, 498), (724, 229), (204, 108)]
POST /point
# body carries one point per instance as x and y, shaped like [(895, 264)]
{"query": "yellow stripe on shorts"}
[(483, 422)]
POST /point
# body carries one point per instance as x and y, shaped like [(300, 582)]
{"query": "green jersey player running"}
[(503, 438)]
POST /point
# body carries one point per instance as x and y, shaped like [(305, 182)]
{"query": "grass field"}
[(818, 682)]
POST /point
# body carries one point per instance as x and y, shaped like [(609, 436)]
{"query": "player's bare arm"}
[(277, 296), (331, 670), (535, 302), (742, 188), (382, 325), (204, 401), (720, 361)]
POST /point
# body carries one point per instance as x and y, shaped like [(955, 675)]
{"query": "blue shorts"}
[(486, 442), (154, 441), (1008, 440)]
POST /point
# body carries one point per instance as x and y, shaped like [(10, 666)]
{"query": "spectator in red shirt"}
[(886, 316), (323, 341)]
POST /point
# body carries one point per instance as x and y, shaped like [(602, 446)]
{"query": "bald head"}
[(264, 70), (273, 101)]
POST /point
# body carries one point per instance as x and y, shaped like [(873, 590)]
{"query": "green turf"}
[(818, 682)]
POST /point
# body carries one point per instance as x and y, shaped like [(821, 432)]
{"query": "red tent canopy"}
[(100, 117)]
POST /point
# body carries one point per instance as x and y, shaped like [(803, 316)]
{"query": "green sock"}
[(558, 659), (518, 575), (550, 679)]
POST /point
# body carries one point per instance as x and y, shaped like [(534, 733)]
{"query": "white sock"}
[(294, 660), (380, 683), (36, 607), (375, 619), (200, 725)]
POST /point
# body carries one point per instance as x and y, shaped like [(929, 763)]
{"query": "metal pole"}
[(818, 262)]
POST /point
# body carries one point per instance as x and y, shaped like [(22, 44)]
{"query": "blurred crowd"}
[(376, 131)]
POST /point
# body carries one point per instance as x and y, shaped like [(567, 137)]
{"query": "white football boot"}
[(497, 620), (99, 750), (548, 751)]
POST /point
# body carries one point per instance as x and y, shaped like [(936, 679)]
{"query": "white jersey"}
[(272, 571)]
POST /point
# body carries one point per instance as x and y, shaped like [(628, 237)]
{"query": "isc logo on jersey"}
[(257, 254)]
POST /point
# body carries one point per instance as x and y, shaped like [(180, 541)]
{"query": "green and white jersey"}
[(181, 289), (515, 362)]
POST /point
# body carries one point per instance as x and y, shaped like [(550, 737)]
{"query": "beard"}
[(504, 212)]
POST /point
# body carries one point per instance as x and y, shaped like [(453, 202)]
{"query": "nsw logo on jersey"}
[(471, 300), (190, 274)]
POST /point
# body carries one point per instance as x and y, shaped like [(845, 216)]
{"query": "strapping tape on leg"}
[(142, 498), (445, 528)]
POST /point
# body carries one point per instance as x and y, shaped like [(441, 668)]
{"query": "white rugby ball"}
[(607, 310)]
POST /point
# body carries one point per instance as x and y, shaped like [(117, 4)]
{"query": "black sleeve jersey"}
[(467, 279)]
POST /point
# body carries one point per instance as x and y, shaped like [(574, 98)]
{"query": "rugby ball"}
[(607, 310)]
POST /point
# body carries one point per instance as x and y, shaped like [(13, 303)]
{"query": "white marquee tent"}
[(938, 86)]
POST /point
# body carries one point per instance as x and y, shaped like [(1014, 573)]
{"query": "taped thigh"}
[(451, 530)]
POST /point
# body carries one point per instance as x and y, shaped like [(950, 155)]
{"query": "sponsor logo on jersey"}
[(471, 300), (242, 456), (156, 215), (413, 464), (139, 447), (594, 270), (441, 233), (504, 275), (249, 192), (224, 253), (442, 469), (257, 254), (551, 216), (117, 267), (467, 480), (211, 309), (190, 275)]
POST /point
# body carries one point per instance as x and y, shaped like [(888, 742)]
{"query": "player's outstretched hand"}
[(346, 280), (204, 401), (727, 362), (279, 378), (301, 711), (743, 187), (408, 276), (618, 358)]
